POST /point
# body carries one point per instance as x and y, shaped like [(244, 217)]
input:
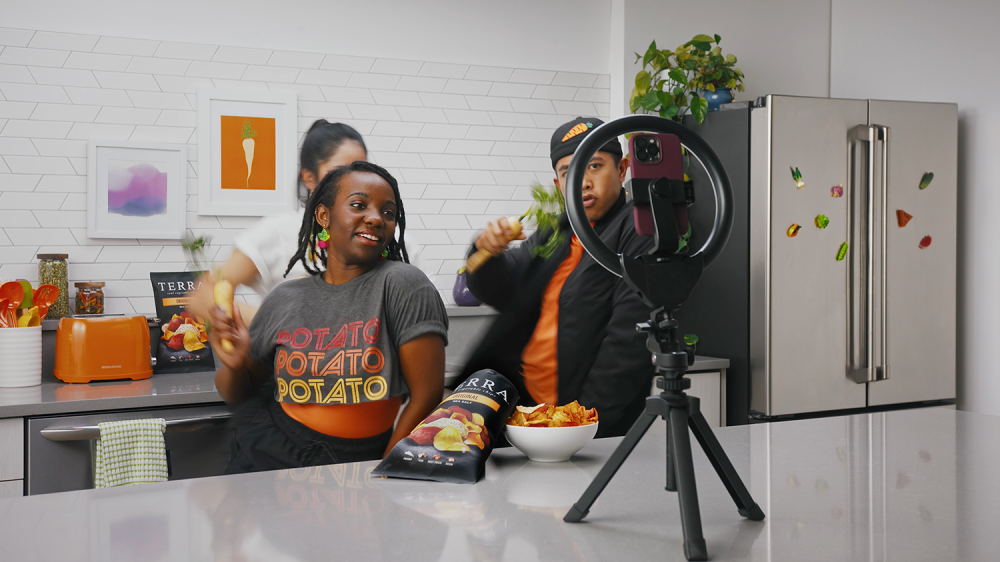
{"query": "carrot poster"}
[(248, 153)]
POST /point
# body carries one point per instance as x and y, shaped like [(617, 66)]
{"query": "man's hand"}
[(496, 237)]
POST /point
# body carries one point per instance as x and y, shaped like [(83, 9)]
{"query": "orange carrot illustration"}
[(248, 134)]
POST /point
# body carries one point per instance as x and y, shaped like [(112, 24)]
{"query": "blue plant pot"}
[(718, 97)]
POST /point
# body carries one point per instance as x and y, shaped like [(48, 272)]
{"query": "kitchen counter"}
[(181, 389), (56, 397), (904, 485)]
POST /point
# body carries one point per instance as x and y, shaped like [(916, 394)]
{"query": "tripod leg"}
[(671, 473), (723, 466), (582, 506), (687, 492)]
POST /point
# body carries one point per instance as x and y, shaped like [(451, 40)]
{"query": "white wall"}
[(465, 141), (511, 33), (924, 50), (783, 46)]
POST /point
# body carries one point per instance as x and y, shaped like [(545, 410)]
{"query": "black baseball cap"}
[(569, 136)]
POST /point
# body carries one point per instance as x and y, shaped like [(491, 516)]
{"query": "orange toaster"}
[(102, 348)]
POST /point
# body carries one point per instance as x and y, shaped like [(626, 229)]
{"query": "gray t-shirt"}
[(338, 344)]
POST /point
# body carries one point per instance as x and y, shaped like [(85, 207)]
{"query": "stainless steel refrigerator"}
[(837, 290)]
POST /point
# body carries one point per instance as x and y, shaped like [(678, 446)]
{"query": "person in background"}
[(263, 251), (567, 326), (321, 372)]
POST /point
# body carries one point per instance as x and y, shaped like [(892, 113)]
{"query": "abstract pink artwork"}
[(137, 189)]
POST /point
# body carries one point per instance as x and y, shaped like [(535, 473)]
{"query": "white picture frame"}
[(126, 197), (219, 192)]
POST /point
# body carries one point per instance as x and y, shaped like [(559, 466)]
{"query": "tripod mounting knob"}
[(673, 384)]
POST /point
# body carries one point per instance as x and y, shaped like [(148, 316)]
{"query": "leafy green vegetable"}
[(544, 212), (195, 250)]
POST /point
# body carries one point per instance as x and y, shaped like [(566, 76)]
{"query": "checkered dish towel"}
[(130, 452)]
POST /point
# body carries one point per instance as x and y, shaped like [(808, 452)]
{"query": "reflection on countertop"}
[(905, 485), (56, 397)]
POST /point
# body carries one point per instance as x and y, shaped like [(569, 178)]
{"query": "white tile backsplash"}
[(465, 142)]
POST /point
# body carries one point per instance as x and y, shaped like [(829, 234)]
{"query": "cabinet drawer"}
[(11, 449), (11, 489)]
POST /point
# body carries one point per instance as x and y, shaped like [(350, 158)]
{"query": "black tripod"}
[(663, 279), (680, 411)]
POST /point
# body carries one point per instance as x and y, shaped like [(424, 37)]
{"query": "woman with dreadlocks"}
[(323, 368), (262, 252)]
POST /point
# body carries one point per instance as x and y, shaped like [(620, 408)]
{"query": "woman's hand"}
[(234, 330), (497, 236), (422, 362)]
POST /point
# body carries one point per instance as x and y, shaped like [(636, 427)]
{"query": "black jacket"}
[(603, 361)]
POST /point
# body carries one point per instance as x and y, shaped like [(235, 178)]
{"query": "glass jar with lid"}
[(90, 298), (53, 270)]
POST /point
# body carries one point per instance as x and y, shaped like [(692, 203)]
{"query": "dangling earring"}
[(385, 253), (323, 237)]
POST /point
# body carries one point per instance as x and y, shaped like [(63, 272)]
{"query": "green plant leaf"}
[(702, 39), (650, 101), (718, 39), (678, 75), (642, 81), (699, 108), (649, 54), (669, 111), (730, 59)]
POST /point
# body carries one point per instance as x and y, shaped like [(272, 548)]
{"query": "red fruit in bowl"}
[(925, 242)]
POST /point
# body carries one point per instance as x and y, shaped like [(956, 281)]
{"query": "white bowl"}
[(550, 444)]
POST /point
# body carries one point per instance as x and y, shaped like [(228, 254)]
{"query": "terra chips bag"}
[(182, 345), (453, 443)]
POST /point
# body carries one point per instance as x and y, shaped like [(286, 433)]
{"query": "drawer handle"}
[(181, 425)]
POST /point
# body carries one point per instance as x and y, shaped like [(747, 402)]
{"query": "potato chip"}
[(542, 415), (449, 439), (192, 342)]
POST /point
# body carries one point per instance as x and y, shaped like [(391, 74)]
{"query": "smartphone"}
[(654, 156)]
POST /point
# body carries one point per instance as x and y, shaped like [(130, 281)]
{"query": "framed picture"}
[(246, 152), (136, 190)]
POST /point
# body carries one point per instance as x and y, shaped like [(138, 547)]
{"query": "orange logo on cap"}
[(578, 129)]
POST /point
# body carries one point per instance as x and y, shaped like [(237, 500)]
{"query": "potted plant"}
[(692, 77)]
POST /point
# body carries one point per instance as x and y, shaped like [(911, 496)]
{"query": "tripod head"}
[(663, 279)]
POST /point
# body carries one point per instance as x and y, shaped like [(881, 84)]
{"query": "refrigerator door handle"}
[(880, 204), (860, 223)]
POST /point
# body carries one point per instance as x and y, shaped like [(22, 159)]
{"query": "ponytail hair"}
[(309, 253), (320, 143)]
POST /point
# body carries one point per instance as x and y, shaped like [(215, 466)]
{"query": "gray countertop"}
[(904, 485), (56, 397)]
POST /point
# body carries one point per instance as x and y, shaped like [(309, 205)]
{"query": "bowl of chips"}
[(551, 433)]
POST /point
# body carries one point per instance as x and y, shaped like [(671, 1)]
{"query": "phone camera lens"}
[(642, 155), (640, 142)]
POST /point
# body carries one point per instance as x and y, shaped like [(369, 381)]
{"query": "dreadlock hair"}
[(325, 194), (320, 143)]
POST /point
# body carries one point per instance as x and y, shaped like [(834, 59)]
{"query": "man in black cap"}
[(567, 326)]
